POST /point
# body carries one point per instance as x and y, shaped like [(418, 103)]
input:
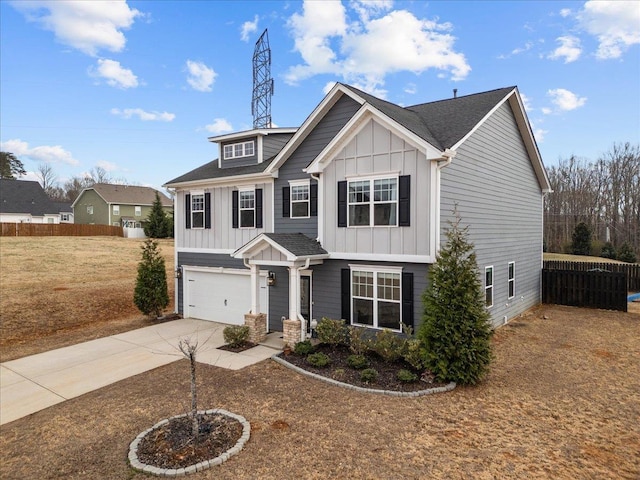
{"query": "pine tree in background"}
[(157, 225), (626, 253), (151, 294), (608, 251), (581, 239), (456, 329)]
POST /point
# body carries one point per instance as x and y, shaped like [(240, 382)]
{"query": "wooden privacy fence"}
[(58, 229), (631, 269), (594, 289)]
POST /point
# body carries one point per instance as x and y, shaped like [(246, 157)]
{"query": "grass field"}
[(565, 257), (57, 291)]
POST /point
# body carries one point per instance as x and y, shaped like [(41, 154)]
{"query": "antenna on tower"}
[(262, 83)]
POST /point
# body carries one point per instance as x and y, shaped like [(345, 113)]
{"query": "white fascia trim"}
[(213, 251), (385, 257), (356, 124), (223, 181), (225, 270), (375, 268), (312, 120), (256, 132)]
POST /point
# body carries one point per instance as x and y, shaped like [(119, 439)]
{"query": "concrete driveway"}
[(33, 383)]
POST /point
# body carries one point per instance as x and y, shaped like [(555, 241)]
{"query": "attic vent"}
[(455, 93)]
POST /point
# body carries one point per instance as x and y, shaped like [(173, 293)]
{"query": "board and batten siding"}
[(311, 146), (493, 184), (376, 150), (221, 235)]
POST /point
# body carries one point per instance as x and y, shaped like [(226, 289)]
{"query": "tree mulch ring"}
[(340, 370), (173, 446), (238, 348)]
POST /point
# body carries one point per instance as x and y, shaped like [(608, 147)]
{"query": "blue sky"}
[(137, 87)]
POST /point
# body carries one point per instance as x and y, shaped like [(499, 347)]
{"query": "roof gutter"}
[(446, 158)]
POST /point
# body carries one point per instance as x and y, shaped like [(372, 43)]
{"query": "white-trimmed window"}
[(235, 150), (138, 211), (511, 272), (247, 208), (488, 286), (373, 202), (376, 297), (65, 217), (299, 199), (90, 209), (116, 209), (197, 210)]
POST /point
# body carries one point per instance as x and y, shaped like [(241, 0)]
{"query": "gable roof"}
[(294, 246), (127, 194), (25, 196)]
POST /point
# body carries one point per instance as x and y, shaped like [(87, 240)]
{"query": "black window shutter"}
[(342, 203), (313, 200), (234, 209), (207, 210), (258, 208), (187, 210), (286, 202), (407, 299), (345, 284), (404, 204)]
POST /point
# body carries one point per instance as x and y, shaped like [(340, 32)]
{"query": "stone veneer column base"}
[(291, 332), (257, 327)]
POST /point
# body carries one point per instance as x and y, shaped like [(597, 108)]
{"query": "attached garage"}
[(220, 294)]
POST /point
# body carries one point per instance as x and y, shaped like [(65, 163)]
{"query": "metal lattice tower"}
[(262, 83)]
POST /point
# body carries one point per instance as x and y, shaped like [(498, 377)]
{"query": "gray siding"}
[(497, 194), (317, 139), (273, 143), (326, 287)]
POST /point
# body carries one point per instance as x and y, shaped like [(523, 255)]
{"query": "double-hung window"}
[(300, 199), (373, 202), (116, 209), (247, 208), (138, 211), (197, 210), (511, 271), (376, 299), (488, 286), (235, 150)]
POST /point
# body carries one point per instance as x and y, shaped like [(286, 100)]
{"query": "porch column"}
[(255, 289), (294, 293)]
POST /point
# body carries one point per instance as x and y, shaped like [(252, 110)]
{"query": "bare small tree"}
[(189, 349)]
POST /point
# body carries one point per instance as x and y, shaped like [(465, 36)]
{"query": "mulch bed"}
[(173, 446), (340, 370), (238, 348)]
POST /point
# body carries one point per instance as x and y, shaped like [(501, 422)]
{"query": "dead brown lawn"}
[(57, 291)]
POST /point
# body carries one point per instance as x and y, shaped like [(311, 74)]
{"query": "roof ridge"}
[(460, 97)]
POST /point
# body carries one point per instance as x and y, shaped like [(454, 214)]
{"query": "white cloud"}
[(143, 115), (364, 50), (219, 126), (565, 100), (43, 153), (88, 26), (546, 110), (248, 28), (569, 49), (411, 88), (106, 166), (200, 76), (114, 74), (565, 12), (526, 102), (614, 24)]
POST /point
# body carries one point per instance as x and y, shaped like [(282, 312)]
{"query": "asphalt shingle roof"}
[(24, 196), (130, 194), (297, 243), (213, 170)]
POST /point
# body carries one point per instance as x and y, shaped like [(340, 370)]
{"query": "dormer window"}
[(236, 150)]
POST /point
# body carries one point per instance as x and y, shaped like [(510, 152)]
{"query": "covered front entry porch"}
[(297, 253)]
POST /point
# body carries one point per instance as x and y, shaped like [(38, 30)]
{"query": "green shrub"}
[(235, 335), (332, 332), (318, 359), (359, 340), (388, 345), (581, 239), (303, 348), (151, 294), (608, 251), (406, 376), (357, 361), (369, 375), (412, 354), (626, 253)]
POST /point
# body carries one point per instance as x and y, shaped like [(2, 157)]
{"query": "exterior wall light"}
[(271, 279), (178, 272)]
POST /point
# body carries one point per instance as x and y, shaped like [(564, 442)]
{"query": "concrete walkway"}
[(33, 383)]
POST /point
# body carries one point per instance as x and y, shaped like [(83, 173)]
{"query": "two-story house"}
[(343, 216)]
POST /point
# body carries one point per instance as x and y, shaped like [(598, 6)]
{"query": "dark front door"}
[(305, 298)]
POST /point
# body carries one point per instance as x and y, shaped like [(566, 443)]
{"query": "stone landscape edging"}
[(447, 388), (198, 467)]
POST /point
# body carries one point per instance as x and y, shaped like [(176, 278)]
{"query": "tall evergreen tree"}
[(581, 239), (151, 293), (157, 225), (456, 329), (10, 166)]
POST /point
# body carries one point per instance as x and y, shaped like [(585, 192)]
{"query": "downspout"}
[(445, 160), (319, 217), (303, 322)]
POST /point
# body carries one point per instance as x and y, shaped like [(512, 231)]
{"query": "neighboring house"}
[(117, 205), (342, 217), (66, 211), (25, 201)]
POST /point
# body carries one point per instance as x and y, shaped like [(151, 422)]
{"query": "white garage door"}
[(221, 297)]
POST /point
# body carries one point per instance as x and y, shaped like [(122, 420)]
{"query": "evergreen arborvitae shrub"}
[(581, 239), (608, 251), (157, 225), (151, 294), (456, 328), (626, 253)]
